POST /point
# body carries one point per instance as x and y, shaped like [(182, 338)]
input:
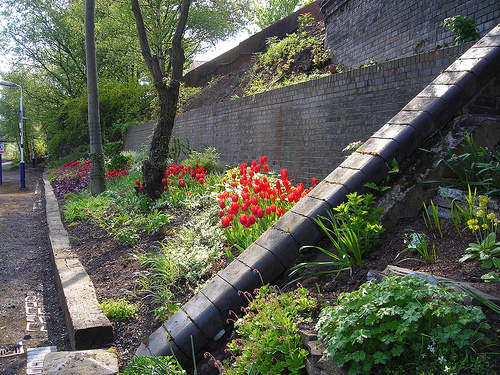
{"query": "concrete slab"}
[(95, 362)]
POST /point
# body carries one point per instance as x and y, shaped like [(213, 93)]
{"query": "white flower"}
[(446, 369), (441, 359), (431, 348)]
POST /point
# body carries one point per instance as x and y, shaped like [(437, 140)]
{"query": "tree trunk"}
[(97, 181), (168, 96)]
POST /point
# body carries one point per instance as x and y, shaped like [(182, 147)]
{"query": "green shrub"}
[(402, 325), (463, 28), (209, 160), (118, 310), (269, 340)]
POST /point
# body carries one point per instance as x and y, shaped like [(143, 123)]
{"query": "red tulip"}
[(141, 187), (234, 197), (251, 220), (255, 200), (225, 222), (181, 183), (164, 181), (260, 213), (314, 181), (138, 182), (222, 204), (243, 219)]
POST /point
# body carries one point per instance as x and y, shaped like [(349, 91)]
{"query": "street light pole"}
[(21, 164), (32, 143)]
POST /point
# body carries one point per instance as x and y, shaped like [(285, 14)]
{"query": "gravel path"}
[(29, 305)]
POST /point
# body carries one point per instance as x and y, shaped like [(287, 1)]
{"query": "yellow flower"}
[(480, 213), (476, 227), (491, 216), (485, 226)]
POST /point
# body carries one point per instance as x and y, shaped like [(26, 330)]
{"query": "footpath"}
[(31, 318)]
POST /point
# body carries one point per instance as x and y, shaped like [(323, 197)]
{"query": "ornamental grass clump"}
[(254, 199), (403, 325), (269, 341)]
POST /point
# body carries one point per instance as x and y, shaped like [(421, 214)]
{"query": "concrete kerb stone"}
[(372, 166), (302, 229), (281, 244), (263, 262), (333, 194), (204, 315), (352, 179), (95, 362), (87, 325), (405, 135), (241, 276), (158, 344), (184, 333), (387, 149), (224, 296)]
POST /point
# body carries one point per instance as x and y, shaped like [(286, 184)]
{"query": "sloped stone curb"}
[(87, 325)]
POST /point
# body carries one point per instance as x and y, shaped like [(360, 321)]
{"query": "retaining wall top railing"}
[(204, 316)]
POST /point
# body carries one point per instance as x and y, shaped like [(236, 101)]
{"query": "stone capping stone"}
[(87, 325), (419, 120)]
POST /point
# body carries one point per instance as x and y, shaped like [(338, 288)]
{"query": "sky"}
[(222, 47)]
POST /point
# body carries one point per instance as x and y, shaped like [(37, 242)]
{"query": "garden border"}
[(204, 316), (87, 325)]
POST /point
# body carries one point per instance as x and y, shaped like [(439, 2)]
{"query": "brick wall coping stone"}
[(87, 325), (204, 316)]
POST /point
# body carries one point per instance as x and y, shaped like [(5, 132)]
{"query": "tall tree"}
[(168, 94), (97, 181), (267, 12)]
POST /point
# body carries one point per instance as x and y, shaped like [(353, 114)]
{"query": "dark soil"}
[(116, 275)]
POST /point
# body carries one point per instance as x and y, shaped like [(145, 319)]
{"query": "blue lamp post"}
[(21, 164)]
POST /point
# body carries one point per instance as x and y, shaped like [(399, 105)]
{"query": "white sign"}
[(1, 148)]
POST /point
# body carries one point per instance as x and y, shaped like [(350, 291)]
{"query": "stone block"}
[(332, 194), (436, 107), (387, 149), (205, 315), (181, 329), (241, 276), (352, 179), (405, 135), (374, 167), (281, 244), (158, 344), (311, 207), (96, 362), (263, 262), (303, 230), (224, 297), (451, 94), (481, 68)]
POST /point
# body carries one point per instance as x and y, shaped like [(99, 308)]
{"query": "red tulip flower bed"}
[(71, 178), (180, 181), (254, 200), (115, 175)]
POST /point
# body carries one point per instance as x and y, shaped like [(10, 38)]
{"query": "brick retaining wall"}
[(304, 127)]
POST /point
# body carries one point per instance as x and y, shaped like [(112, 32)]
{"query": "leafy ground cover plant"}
[(119, 311), (402, 325), (71, 178), (253, 199), (269, 341)]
